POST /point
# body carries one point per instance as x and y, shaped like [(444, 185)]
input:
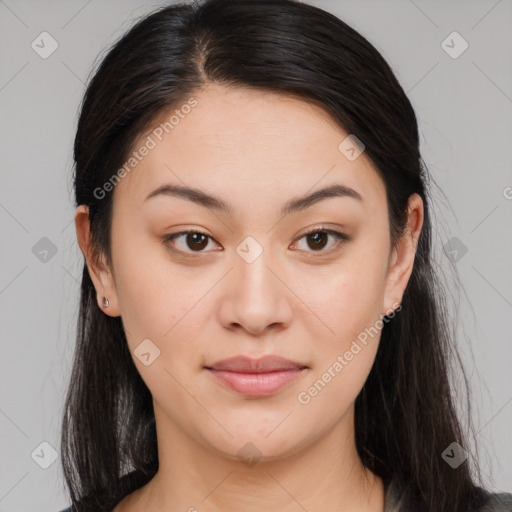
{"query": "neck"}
[(326, 475)]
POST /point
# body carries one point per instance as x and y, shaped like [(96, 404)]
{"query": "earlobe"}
[(101, 276)]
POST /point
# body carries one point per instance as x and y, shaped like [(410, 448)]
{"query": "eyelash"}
[(340, 239)]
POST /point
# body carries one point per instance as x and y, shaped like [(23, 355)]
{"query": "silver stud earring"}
[(105, 302)]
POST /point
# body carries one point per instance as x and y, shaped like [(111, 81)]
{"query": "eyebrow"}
[(295, 205)]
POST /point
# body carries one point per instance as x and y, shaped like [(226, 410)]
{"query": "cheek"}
[(161, 302), (152, 292), (351, 308), (349, 297)]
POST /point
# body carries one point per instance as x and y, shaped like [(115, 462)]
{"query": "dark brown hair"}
[(405, 415)]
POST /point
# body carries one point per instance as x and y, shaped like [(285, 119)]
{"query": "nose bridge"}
[(253, 279), (255, 296)]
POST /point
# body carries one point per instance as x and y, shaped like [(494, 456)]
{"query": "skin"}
[(255, 150)]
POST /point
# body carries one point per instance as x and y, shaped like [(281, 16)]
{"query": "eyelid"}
[(324, 229)]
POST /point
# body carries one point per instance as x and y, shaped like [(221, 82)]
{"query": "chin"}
[(251, 448)]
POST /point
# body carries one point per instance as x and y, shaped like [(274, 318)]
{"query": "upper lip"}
[(265, 364)]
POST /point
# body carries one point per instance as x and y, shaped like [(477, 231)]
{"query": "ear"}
[(402, 257), (99, 271)]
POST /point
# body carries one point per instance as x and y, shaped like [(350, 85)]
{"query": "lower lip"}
[(257, 384)]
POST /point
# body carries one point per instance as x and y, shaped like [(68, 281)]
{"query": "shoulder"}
[(127, 484), (399, 499), (69, 509), (498, 502)]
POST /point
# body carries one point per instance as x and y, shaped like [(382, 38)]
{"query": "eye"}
[(317, 239), (194, 240)]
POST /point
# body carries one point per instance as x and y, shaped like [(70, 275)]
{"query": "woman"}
[(260, 327)]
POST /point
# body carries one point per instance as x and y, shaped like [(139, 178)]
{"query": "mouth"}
[(256, 377)]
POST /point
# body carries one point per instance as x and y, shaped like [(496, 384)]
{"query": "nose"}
[(255, 297)]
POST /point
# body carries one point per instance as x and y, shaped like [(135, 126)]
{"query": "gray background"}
[(464, 109)]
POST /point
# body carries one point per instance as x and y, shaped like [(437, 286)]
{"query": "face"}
[(252, 282)]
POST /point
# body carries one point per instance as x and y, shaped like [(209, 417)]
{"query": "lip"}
[(256, 377)]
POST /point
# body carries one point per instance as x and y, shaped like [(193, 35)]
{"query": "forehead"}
[(238, 140)]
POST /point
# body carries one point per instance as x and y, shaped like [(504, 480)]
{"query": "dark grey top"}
[(396, 502)]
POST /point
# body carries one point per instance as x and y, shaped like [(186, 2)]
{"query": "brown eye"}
[(317, 239), (196, 241), (191, 241)]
